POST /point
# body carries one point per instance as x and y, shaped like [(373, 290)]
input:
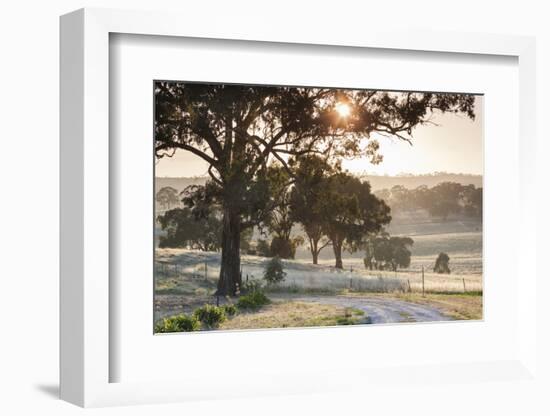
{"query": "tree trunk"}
[(230, 281), (337, 247), (314, 251)]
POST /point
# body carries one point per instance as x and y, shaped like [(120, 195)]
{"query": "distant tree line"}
[(440, 201)]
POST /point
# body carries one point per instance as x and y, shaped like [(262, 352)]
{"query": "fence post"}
[(409, 282), (205, 270), (423, 281), (464, 283)]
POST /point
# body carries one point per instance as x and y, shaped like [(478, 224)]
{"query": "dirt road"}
[(378, 310)]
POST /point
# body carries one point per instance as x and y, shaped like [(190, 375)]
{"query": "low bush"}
[(210, 315), (442, 264), (253, 300), (177, 323), (273, 272), (230, 309), (252, 285)]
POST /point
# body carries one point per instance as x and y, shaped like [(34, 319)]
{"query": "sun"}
[(343, 109)]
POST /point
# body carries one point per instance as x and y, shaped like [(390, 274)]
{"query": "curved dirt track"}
[(381, 310)]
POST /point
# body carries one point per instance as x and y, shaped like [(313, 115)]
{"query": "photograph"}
[(307, 206)]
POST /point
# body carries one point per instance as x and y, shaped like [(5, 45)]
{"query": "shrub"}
[(230, 309), (284, 248), (177, 323), (273, 272), (210, 315), (253, 300), (442, 264), (252, 285)]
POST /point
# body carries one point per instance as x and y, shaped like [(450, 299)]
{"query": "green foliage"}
[(210, 315), (442, 264), (273, 271), (387, 253), (230, 309), (252, 285), (253, 300), (345, 320), (284, 248), (310, 189), (185, 228), (167, 197), (331, 203), (350, 211), (178, 323)]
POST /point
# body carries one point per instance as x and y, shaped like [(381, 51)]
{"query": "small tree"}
[(167, 197), (310, 190), (285, 248), (385, 252), (273, 272), (349, 212), (442, 264), (401, 254), (445, 199), (185, 229)]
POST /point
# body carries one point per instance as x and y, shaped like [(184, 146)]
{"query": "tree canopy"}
[(349, 212), (185, 229), (383, 252), (236, 128), (167, 197)]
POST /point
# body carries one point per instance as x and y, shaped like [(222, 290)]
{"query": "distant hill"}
[(413, 181), (179, 183), (376, 181)]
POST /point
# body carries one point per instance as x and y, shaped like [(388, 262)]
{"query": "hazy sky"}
[(455, 145)]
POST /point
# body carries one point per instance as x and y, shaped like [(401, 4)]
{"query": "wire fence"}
[(360, 280)]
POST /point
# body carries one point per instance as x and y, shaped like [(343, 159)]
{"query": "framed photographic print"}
[(302, 208), (282, 206)]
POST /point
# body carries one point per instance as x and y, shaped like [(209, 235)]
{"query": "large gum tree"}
[(239, 130)]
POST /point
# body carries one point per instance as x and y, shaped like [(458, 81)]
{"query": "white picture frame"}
[(85, 353)]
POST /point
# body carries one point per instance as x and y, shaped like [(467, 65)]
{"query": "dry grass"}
[(295, 314), (188, 268)]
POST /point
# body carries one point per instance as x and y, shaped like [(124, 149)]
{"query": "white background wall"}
[(29, 56)]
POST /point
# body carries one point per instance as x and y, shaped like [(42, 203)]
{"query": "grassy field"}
[(181, 271), (186, 280), (290, 314)]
